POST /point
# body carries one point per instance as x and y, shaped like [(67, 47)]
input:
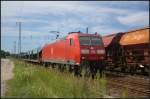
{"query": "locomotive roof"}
[(84, 34)]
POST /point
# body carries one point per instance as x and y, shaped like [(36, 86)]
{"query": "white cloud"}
[(105, 30), (87, 13), (59, 8), (54, 7), (135, 19), (10, 31), (62, 25), (115, 11)]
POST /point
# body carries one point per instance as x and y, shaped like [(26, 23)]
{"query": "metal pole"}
[(19, 41), (87, 30), (20, 35)]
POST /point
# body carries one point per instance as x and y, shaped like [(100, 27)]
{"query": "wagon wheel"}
[(144, 70), (123, 69), (132, 69)]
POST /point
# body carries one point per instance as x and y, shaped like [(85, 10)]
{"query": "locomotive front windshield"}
[(87, 40)]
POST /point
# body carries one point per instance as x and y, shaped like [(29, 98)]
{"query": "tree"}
[(4, 54)]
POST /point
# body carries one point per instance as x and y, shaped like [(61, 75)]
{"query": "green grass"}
[(125, 93), (39, 82)]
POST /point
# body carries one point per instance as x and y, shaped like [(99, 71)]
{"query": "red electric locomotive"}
[(77, 51)]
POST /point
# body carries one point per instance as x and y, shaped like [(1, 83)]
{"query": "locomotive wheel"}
[(70, 68), (85, 72), (85, 69), (45, 64), (53, 65), (100, 68), (61, 67), (76, 70), (93, 71)]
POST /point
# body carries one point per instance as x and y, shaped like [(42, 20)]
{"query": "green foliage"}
[(4, 54), (102, 87), (39, 82)]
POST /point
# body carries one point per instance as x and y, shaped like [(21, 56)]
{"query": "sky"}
[(39, 18)]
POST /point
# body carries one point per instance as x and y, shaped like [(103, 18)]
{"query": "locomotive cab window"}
[(87, 40), (84, 40), (71, 41), (95, 41)]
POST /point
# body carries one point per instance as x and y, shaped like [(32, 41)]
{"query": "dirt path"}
[(6, 74)]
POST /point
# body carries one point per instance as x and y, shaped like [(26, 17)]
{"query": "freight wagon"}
[(128, 51)]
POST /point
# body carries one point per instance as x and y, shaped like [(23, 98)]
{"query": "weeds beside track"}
[(36, 81)]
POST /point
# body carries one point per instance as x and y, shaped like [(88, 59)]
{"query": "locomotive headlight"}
[(100, 51), (84, 51)]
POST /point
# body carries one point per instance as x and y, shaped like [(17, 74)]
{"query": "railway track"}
[(135, 88), (126, 73), (136, 81)]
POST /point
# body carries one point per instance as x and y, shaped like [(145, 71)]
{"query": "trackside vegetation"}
[(39, 82)]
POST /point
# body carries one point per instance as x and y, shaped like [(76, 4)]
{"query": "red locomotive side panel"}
[(51, 51), (65, 51), (73, 49)]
